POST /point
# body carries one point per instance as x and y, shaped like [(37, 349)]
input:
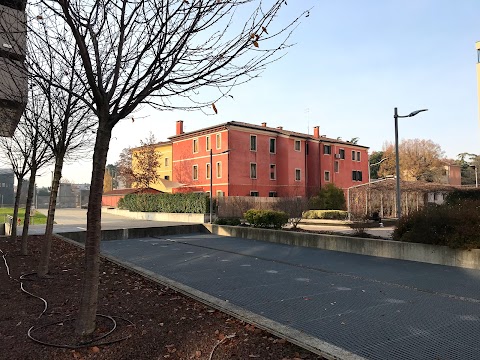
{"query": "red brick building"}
[(257, 160)]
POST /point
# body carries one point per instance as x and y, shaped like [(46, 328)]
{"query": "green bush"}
[(228, 221), (168, 203), (326, 214), (459, 195), (266, 218), (329, 197), (456, 226)]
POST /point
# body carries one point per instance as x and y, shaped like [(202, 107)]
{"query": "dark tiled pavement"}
[(373, 307)]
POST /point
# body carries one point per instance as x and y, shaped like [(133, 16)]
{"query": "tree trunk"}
[(15, 209), (88, 306), (47, 239), (28, 207)]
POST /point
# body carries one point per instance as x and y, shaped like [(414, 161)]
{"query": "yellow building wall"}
[(477, 46), (165, 169)]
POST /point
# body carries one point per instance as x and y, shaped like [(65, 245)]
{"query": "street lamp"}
[(211, 179), (397, 160)]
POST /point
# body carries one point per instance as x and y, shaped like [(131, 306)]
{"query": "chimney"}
[(280, 127), (179, 127), (316, 132), (264, 124)]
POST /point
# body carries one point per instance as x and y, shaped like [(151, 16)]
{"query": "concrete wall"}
[(133, 233), (175, 217), (383, 248)]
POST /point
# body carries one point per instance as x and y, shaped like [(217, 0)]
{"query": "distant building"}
[(7, 189), (477, 46)]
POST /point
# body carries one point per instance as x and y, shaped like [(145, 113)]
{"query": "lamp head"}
[(416, 112)]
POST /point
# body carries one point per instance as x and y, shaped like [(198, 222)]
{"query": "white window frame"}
[(274, 172), (208, 143), (207, 170), (194, 169), (166, 162), (299, 142), (274, 146), (299, 172), (336, 166), (254, 191), (218, 141), (256, 143), (256, 170), (340, 153), (358, 156), (354, 157), (195, 142), (329, 149), (325, 176), (218, 169)]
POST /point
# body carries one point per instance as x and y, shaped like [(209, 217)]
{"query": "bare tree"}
[(159, 53), (35, 118), (18, 151), (70, 126), (146, 162), (124, 167)]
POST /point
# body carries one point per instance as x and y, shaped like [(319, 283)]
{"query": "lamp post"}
[(397, 158), (211, 179)]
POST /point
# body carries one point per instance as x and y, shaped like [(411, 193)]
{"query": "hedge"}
[(266, 218), (326, 214), (459, 195), (167, 203)]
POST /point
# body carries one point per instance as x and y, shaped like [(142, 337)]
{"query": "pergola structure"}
[(380, 196)]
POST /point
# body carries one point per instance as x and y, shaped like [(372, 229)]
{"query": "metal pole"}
[(476, 176), (397, 166), (211, 186)]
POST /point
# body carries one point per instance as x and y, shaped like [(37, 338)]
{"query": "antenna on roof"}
[(307, 113)]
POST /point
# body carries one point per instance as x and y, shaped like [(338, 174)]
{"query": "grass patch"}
[(37, 219)]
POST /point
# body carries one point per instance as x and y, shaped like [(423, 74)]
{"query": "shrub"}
[(228, 221), (329, 197), (456, 226), (326, 214), (266, 218), (359, 224), (456, 196), (169, 203)]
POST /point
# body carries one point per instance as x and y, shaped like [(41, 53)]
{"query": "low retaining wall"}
[(432, 254), (153, 216), (133, 233)]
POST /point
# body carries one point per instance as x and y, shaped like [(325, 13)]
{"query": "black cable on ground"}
[(93, 342)]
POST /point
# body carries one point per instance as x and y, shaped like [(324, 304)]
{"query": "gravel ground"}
[(157, 322)]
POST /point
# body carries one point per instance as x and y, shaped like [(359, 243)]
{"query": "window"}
[(219, 193), (195, 172), (195, 145), (207, 143), (273, 171), (298, 174), (356, 175), (219, 170), (342, 153), (166, 177), (253, 193), (207, 175), (358, 155), (353, 155), (253, 170), (253, 143), (218, 140), (297, 145), (327, 149), (273, 146), (327, 176), (336, 167), (272, 194), (166, 162)]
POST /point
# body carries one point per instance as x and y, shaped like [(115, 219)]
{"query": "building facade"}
[(7, 188), (244, 159), (477, 47), (13, 75)]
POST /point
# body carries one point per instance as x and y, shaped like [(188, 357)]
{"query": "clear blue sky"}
[(353, 62)]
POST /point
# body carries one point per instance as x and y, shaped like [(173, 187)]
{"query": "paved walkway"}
[(374, 308)]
